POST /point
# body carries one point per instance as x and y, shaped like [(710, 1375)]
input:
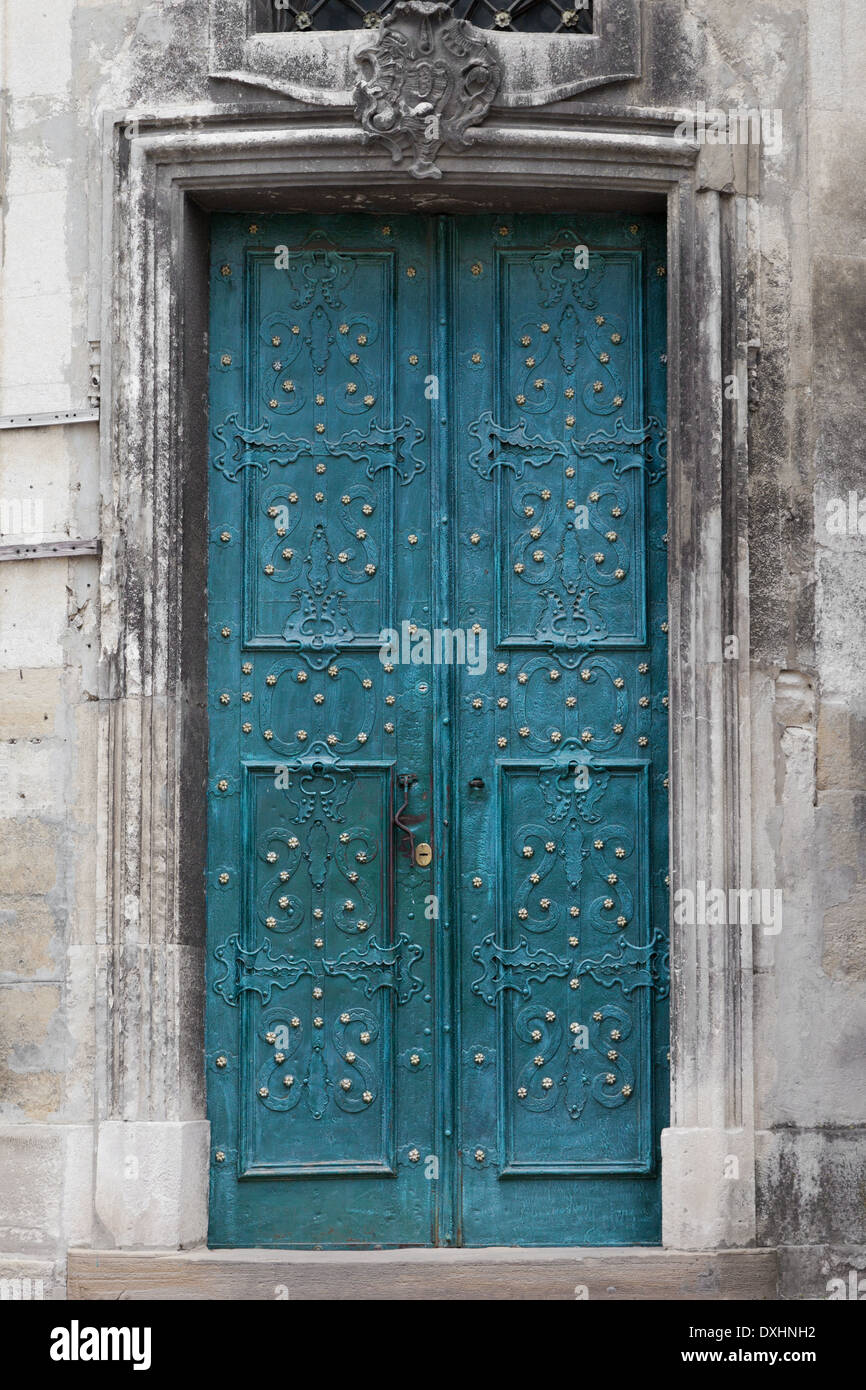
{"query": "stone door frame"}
[(164, 172)]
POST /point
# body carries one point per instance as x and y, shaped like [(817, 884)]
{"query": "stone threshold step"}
[(610, 1273)]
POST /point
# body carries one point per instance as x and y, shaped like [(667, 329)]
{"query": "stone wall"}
[(75, 1170)]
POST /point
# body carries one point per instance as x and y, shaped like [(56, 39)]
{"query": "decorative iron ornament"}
[(377, 967), (377, 447), (525, 16), (424, 82)]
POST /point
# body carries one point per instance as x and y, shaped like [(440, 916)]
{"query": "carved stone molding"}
[(319, 67), (425, 81)]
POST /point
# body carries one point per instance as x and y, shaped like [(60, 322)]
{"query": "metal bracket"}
[(50, 550), (40, 419)]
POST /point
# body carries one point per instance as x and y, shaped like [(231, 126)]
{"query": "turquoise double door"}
[(437, 977)]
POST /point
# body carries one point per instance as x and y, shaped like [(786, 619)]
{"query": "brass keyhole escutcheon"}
[(423, 854)]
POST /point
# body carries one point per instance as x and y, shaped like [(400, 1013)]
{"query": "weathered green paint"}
[(448, 423)]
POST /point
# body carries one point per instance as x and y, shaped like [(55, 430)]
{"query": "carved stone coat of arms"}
[(425, 81)]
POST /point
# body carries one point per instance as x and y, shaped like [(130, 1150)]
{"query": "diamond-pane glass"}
[(525, 16)]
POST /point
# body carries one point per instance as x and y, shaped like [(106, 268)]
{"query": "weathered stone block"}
[(28, 856), (30, 701), (151, 1182)]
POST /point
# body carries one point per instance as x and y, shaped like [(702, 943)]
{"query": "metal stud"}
[(574, 984), (364, 1037), (224, 878), (574, 911), (546, 1082), (222, 1061), (414, 1060), (521, 1092), (479, 1058), (220, 1156), (539, 1060), (367, 1097), (501, 741), (414, 1155), (476, 882), (263, 1091)]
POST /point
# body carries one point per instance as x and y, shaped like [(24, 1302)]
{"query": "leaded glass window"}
[(521, 16)]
